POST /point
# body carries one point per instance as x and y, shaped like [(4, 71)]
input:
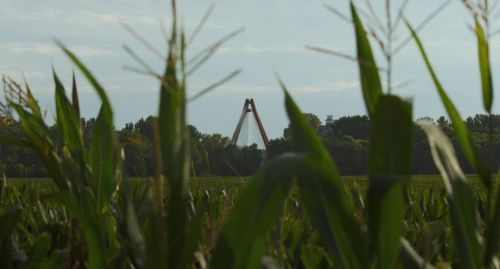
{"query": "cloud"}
[(252, 49), (336, 86), (45, 48)]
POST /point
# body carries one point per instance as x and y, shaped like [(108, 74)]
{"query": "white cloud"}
[(45, 48), (336, 86), (252, 49)]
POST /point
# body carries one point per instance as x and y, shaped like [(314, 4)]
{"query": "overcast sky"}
[(274, 38)]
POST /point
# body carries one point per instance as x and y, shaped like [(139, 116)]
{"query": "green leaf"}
[(38, 253), (101, 146), (464, 221), (14, 141), (101, 156), (462, 133), (96, 252), (130, 230), (484, 66), (410, 258), (174, 140), (192, 239), (368, 71), (323, 193), (68, 123), (8, 221), (241, 242), (493, 231), (390, 152), (311, 256), (100, 90)]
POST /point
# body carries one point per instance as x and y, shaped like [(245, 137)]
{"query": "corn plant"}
[(296, 212)]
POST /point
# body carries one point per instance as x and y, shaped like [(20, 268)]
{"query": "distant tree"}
[(358, 127), (278, 146), (129, 126), (480, 123), (313, 120), (145, 127), (87, 129)]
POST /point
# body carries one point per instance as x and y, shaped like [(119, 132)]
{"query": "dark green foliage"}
[(358, 127)]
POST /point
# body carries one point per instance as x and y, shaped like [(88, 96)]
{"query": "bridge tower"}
[(249, 110)]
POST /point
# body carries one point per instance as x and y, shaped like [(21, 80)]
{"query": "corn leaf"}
[(410, 258), (368, 71), (464, 221), (68, 123), (8, 221), (14, 141), (38, 254), (241, 242), (493, 231), (90, 231), (464, 138), (323, 193), (484, 66), (174, 140), (130, 229), (390, 152)]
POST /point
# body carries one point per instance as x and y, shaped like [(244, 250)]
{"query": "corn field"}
[(295, 212)]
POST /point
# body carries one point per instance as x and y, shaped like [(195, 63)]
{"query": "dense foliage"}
[(347, 144)]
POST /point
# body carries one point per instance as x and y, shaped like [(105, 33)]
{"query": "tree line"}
[(214, 155)]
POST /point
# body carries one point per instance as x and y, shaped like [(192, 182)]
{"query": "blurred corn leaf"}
[(38, 254), (463, 214), (466, 143), (389, 168), (484, 66), (410, 258), (323, 193), (241, 242), (130, 229), (8, 221), (493, 232), (89, 227), (368, 71), (174, 140)]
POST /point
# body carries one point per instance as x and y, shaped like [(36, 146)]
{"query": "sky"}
[(274, 40)]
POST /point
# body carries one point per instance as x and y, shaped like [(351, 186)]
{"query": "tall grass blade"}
[(410, 258), (8, 221), (464, 138), (323, 193), (463, 216), (174, 140), (241, 242), (493, 232), (369, 76), (131, 231), (97, 256), (390, 152), (484, 66)]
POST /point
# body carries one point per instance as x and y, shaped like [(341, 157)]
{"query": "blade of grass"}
[(370, 79), (410, 258), (493, 232), (389, 168), (254, 213), (459, 127), (96, 252), (464, 221), (484, 66), (323, 193)]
